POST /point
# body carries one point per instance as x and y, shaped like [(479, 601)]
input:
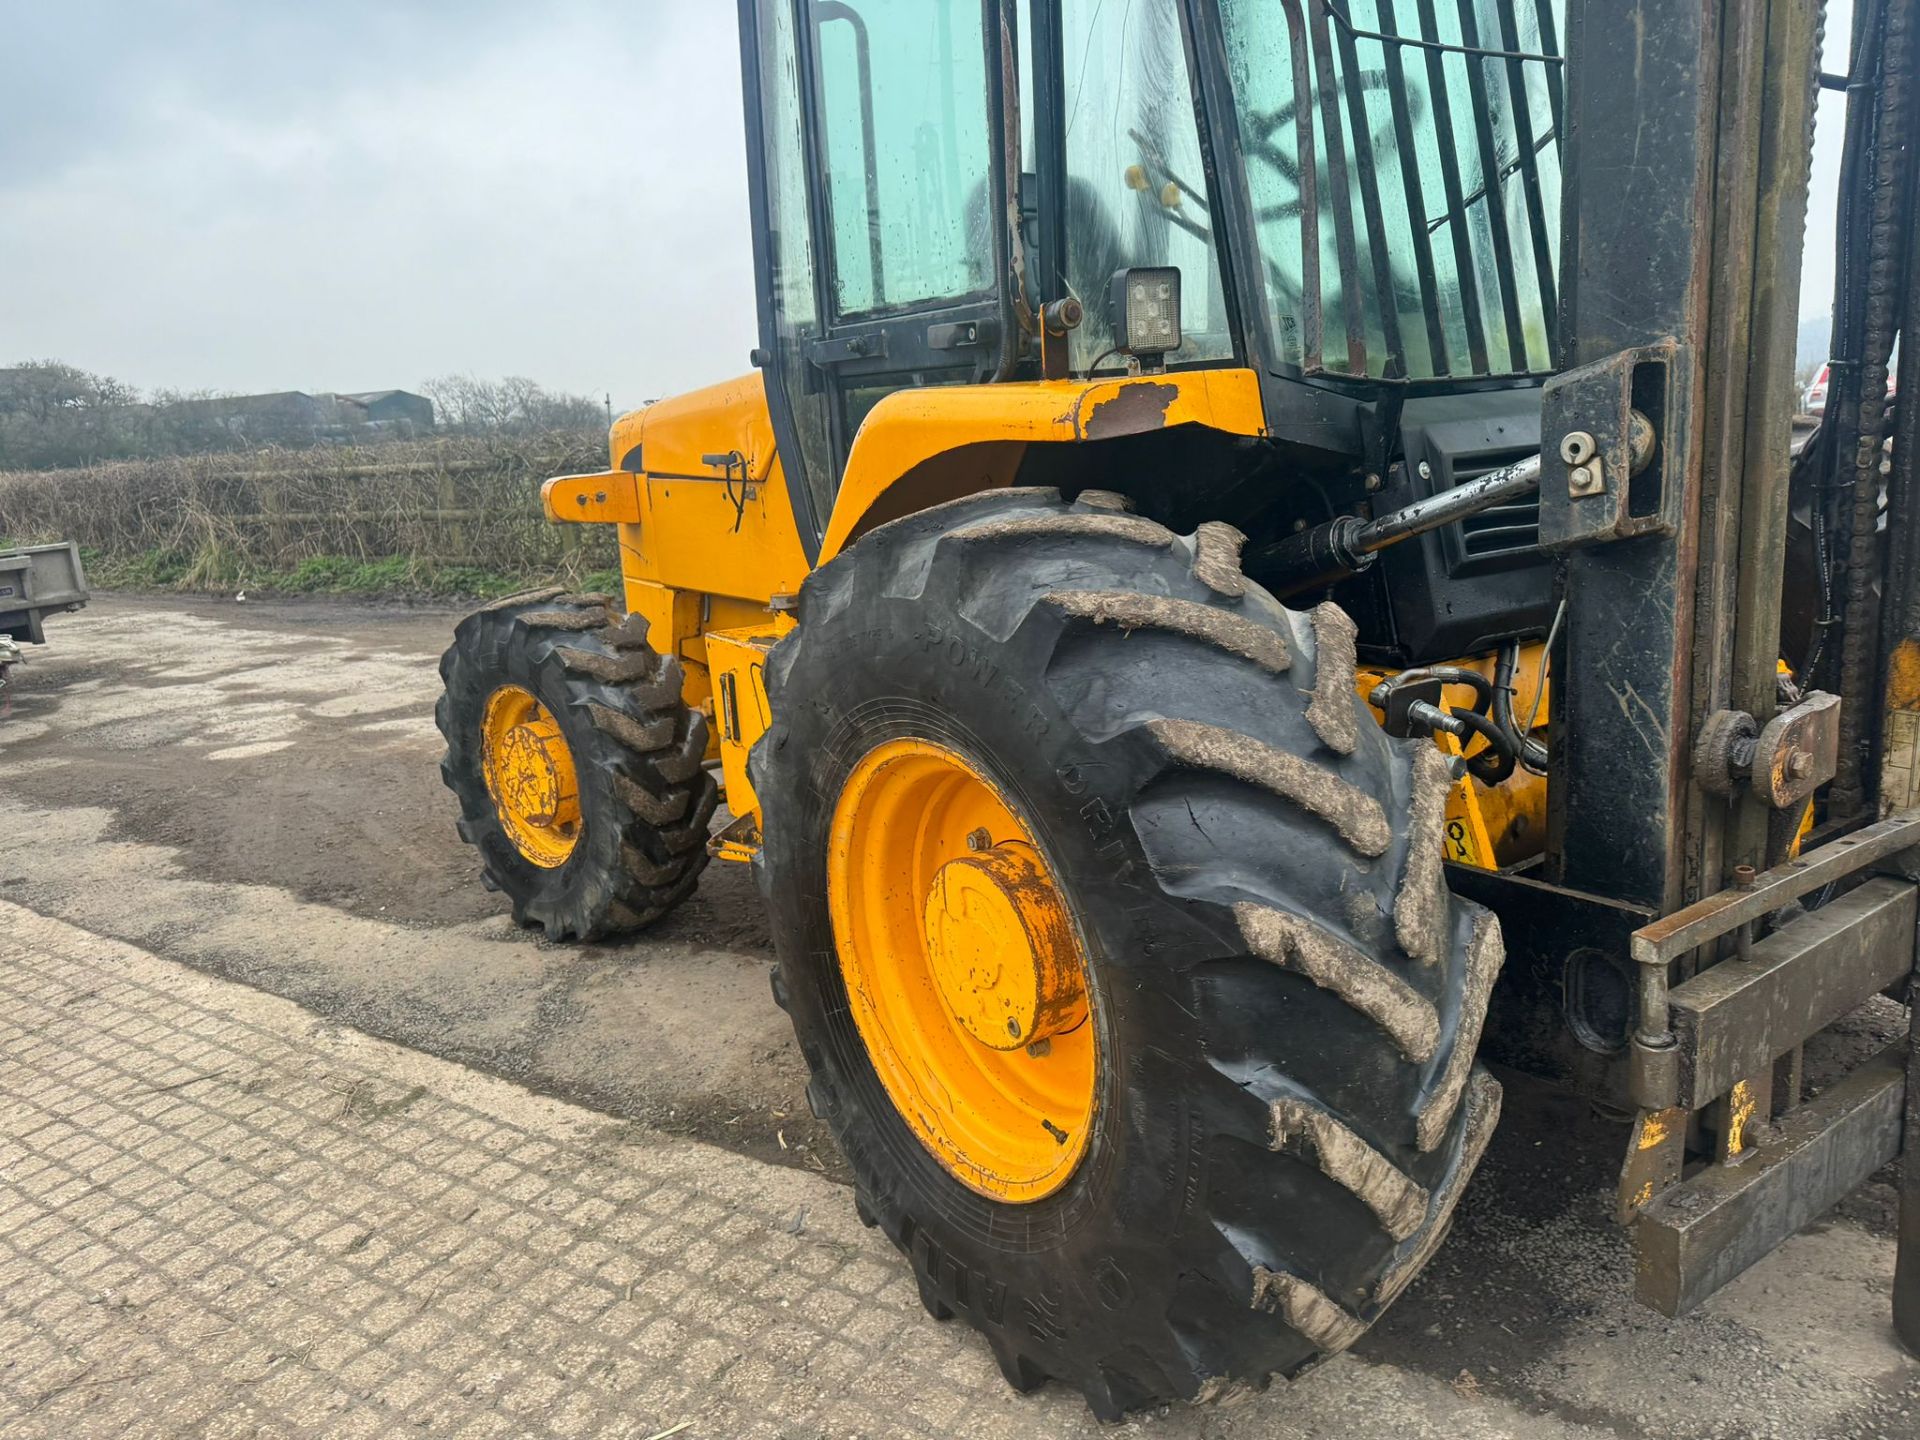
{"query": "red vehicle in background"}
[(1814, 402)]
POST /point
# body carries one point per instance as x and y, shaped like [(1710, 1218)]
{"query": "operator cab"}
[(1356, 201)]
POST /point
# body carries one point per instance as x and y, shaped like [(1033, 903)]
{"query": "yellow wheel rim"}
[(530, 774), (963, 970)]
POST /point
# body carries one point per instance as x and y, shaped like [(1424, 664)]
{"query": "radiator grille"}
[(1505, 530)]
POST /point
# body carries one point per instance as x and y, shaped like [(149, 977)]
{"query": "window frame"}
[(1216, 83), (1050, 58), (834, 315), (809, 515), (974, 338), (820, 183)]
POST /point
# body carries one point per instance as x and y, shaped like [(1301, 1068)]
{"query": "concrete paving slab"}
[(221, 1217)]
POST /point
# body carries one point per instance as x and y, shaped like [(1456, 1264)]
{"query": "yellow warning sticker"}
[(1460, 846)]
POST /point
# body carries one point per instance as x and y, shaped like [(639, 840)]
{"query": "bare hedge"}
[(441, 503)]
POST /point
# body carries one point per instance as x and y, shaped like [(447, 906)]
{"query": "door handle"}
[(962, 335)]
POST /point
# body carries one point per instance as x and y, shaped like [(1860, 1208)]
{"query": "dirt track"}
[(253, 790)]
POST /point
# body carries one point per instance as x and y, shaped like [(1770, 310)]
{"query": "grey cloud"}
[(340, 195)]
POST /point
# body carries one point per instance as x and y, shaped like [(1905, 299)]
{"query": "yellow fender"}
[(923, 446)]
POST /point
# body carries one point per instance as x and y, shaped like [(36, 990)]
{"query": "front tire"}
[(1285, 1001)]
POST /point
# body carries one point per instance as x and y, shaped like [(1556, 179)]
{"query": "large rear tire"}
[(1285, 1001), (577, 765)]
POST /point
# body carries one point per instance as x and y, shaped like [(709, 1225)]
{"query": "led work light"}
[(1143, 304)]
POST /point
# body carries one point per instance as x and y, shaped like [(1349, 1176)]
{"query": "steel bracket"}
[(1784, 762), (1592, 490)]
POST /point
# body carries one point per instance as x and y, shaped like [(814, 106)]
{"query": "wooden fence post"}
[(455, 538)]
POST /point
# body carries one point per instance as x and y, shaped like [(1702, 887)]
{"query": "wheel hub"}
[(1001, 947), (964, 972), (530, 774)]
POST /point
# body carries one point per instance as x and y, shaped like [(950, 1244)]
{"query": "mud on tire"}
[(637, 749), (1287, 1000)]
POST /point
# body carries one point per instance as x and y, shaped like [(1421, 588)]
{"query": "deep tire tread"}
[(619, 704), (1360, 981), (1130, 611)]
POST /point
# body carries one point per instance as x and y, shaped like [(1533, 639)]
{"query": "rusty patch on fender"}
[(1134, 410)]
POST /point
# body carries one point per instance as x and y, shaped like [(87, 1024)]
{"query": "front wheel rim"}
[(964, 971)]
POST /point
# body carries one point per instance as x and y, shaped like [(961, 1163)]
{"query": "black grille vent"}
[(1510, 529)]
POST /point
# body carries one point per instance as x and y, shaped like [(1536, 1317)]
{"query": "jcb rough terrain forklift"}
[(1186, 438)]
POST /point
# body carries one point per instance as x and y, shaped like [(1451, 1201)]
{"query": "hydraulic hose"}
[(1494, 764), (1529, 751)]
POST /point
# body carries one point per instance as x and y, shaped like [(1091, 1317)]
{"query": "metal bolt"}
[(1426, 470), (1799, 764), (1373, 482), (1040, 1048), (1580, 480), (1743, 877), (1576, 447), (981, 840)]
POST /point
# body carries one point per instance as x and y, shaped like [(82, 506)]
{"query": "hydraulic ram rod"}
[(1314, 558), (1345, 545), (1496, 487)]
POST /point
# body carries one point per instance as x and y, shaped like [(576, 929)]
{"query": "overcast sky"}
[(356, 194), (362, 193), (1816, 273)]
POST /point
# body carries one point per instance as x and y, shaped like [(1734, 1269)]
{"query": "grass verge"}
[(212, 571)]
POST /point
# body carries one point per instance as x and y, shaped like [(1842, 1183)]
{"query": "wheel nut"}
[(979, 839)]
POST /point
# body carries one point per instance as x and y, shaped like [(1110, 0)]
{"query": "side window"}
[(1135, 179), (906, 140), (796, 312)]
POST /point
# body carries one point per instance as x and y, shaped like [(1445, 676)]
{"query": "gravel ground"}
[(251, 790)]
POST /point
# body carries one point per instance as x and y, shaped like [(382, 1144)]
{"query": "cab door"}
[(906, 128)]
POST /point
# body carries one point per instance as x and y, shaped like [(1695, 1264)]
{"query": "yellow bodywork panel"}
[(922, 446), (1900, 763), (714, 516), (738, 663), (611, 497), (1493, 825), (709, 510)]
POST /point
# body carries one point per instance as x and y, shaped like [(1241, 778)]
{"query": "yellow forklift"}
[(1249, 577)]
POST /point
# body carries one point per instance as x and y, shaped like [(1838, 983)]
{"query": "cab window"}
[(906, 140), (1135, 184)]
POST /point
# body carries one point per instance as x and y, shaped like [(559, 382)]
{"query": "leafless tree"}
[(514, 405)]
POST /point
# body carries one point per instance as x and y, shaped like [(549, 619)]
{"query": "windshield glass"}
[(1134, 171), (1424, 242)]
